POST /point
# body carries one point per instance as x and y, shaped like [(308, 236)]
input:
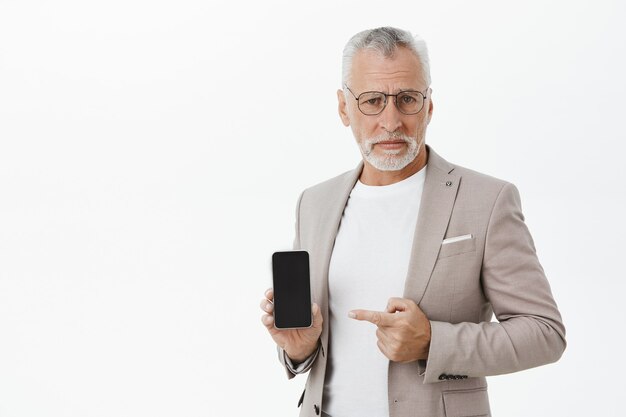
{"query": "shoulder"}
[(470, 179), (474, 179), (474, 186), (484, 190), (332, 186)]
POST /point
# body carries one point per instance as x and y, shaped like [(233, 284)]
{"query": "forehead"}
[(374, 71)]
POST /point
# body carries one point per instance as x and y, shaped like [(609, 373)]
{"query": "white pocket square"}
[(456, 239)]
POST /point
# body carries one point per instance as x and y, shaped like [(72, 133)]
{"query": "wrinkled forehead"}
[(373, 70)]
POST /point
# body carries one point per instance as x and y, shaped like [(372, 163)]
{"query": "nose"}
[(390, 118)]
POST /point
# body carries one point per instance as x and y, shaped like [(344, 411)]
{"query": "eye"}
[(407, 99), (371, 102)]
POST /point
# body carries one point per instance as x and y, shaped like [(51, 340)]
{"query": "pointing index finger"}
[(378, 318)]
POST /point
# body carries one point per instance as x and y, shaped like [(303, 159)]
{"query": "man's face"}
[(388, 141)]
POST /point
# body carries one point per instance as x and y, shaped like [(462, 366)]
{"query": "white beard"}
[(390, 161)]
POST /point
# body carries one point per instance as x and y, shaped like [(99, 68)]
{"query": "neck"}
[(373, 176)]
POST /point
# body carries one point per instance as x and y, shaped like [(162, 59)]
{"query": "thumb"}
[(396, 304), (317, 315)]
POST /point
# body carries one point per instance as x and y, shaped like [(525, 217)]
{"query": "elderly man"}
[(411, 256)]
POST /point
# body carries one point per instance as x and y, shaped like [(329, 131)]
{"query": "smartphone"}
[(292, 289)]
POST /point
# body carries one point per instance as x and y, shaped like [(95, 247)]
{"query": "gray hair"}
[(385, 40)]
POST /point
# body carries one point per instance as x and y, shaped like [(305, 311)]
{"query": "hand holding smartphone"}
[(292, 290)]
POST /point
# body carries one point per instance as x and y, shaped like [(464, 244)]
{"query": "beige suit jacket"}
[(458, 285)]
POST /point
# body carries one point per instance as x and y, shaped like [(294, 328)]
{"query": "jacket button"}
[(317, 409), (442, 377)]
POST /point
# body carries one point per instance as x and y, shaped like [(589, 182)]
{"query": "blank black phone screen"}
[(292, 289)]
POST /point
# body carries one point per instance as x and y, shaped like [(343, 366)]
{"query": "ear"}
[(430, 106), (343, 108)]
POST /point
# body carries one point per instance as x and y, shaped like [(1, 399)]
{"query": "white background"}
[(151, 155)]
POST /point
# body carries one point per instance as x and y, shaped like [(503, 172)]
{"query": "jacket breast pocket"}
[(457, 247), (466, 403)]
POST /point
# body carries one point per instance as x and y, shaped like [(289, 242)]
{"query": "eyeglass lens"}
[(408, 102)]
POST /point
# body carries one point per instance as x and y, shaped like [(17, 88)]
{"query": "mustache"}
[(368, 143), (388, 136)]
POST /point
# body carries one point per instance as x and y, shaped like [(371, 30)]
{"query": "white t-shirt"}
[(369, 264)]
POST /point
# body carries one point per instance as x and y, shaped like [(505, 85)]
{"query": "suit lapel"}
[(440, 190), (330, 219), (328, 227)]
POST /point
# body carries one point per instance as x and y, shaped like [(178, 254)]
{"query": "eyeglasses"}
[(372, 103)]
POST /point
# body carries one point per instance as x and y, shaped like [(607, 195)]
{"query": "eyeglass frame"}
[(395, 100)]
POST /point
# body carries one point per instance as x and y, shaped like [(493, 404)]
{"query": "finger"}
[(267, 306), (268, 321), (378, 318), (388, 339), (382, 336), (399, 304), (269, 294), (383, 348), (317, 315)]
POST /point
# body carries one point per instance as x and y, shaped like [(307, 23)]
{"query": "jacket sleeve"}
[(529, 331), (291, 369)]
